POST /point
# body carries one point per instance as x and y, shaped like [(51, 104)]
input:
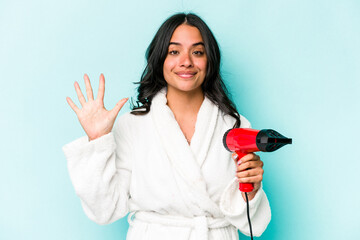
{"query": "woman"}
[(164, 162)]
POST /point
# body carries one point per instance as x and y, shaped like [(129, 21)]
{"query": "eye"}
[(198, 53), (173, 52)]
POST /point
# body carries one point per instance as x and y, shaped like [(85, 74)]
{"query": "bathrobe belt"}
[(200, 224)]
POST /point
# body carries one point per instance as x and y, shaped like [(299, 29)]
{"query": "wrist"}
[(92, 138), (251, 195)]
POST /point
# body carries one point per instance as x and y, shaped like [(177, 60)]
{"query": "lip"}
[(185, 74)]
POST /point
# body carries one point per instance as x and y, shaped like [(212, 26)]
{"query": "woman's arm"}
[(98, 164), (233, 202), (249, 169), (233, 206), (102, 187)]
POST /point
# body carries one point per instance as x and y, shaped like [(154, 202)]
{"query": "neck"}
[(184, 103)]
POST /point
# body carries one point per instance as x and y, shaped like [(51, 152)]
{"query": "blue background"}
[(291, 65)]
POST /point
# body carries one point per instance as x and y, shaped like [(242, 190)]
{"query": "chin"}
[(187, 88)]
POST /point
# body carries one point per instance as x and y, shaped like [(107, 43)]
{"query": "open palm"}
[(93, 117)]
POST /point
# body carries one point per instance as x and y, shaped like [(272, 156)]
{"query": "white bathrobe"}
[(145, 167)]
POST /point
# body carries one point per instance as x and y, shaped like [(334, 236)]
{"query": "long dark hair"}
[(152, 79)]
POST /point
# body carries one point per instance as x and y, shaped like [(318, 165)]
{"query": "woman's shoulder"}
[(230, 121), (128, 123), (244, 122), (128, 119)]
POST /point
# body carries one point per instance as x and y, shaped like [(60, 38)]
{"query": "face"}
[(186, 61)]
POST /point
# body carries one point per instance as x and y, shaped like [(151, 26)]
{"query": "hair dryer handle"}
[(244, 187)]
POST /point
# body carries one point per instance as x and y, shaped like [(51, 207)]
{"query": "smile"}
[(185, 74)]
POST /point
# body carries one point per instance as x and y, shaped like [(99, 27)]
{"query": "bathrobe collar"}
[(187, 160)]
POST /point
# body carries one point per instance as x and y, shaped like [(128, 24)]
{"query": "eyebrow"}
[(195, 44)]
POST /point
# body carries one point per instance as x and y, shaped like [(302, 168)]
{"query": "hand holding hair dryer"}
[(247, 140)]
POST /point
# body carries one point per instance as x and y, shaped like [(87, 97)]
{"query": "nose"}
[(186, 60)]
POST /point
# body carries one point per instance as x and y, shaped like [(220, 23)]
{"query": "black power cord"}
[(248, 214)]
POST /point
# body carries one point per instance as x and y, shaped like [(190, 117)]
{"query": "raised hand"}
[(93, 117)]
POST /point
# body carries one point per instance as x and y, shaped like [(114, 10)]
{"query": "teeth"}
[(186, 75)]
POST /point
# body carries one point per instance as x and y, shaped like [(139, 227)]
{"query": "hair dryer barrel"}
[(241, 139), (251, 140)]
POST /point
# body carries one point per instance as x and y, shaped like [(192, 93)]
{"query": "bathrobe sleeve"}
[(100, 171), (233, 206)]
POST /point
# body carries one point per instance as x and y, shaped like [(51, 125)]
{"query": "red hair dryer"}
[(247, 140)]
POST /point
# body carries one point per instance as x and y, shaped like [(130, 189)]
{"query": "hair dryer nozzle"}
[(269, 140)]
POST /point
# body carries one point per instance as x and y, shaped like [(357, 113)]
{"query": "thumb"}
[(118, 106), (235, 157)]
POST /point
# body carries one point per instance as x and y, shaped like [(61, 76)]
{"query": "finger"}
[(249, 165), (235, 157), (254, 179), (101, 91), (250, 173), (72, 105), (89, 91), (79, 94), (118, 106), (249, 157)]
